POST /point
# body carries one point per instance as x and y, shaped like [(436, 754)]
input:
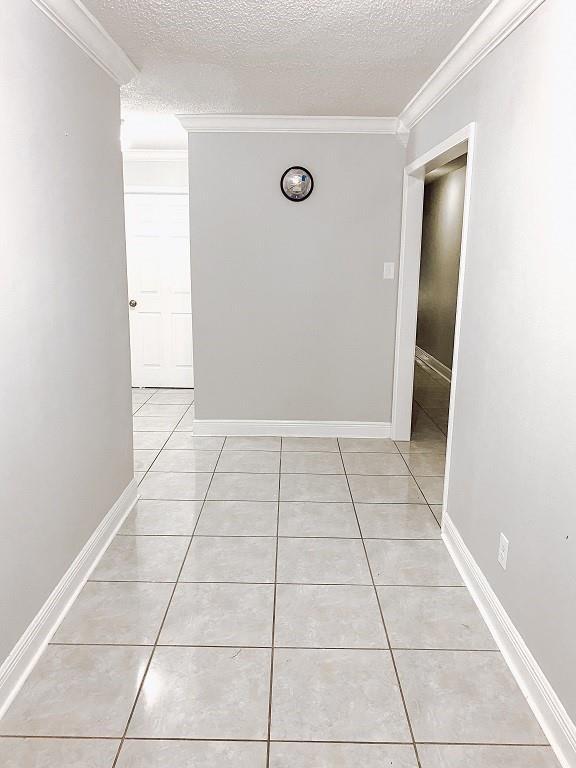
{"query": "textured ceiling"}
[(298, 57)]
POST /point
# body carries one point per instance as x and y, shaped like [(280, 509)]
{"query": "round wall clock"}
[(297, 184)]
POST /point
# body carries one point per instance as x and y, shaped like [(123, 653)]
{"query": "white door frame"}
[(409, 277)]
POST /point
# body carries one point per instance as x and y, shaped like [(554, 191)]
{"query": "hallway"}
[(282, 602), (432, 395)]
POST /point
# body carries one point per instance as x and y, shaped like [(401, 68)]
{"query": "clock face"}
[(297, 184)]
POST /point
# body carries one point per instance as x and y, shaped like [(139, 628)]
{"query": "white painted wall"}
[(151, 130), (514, 442), (292, 319), (166, 174), (65, 440)]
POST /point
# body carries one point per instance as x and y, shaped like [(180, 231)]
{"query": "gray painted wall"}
[(439, 264), (65, 440), (292, 318), (514, 448)]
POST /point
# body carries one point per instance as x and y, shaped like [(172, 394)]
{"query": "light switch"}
[(388, 273)]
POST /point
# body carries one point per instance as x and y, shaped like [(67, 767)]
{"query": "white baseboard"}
[(553, 718), (30, 646), (244, 428), (438, 367)]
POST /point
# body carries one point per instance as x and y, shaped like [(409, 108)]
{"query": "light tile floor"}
[(274, 603)]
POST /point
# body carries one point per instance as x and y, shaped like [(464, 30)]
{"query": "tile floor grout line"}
[(523, 745), (157, 450), (439, 522), (411, 730), (270, 536), (141, 404), (288, 583), (154, 647), (167, 439), (444, 384), (427, 503), (422, 408), (283, 647), (433, 440), (253, 472), (292, 501), (274, 612), (170, 433)]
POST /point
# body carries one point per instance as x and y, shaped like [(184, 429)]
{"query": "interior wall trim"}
[(498, 20), (438, 367), (89, 35), (245, 428), (288, 124), (551, 714), (30, 646)]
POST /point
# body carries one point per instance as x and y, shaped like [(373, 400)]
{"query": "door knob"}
[(133, 302)]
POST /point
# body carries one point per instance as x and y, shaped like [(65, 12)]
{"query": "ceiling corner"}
[(90, 36)]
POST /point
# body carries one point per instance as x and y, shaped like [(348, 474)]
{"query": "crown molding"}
[(89, 35), (287, 124), (498, 20), (155, 155)]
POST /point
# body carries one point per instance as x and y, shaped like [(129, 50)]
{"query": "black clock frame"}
[(297, 199)]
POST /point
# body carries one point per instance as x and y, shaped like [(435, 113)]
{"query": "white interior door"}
[(158, 255)]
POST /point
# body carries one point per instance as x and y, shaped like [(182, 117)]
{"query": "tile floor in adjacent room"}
[(432, 394), (274, 602)]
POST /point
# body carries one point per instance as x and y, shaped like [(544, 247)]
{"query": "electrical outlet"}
[(388, 271), (503, 551)]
